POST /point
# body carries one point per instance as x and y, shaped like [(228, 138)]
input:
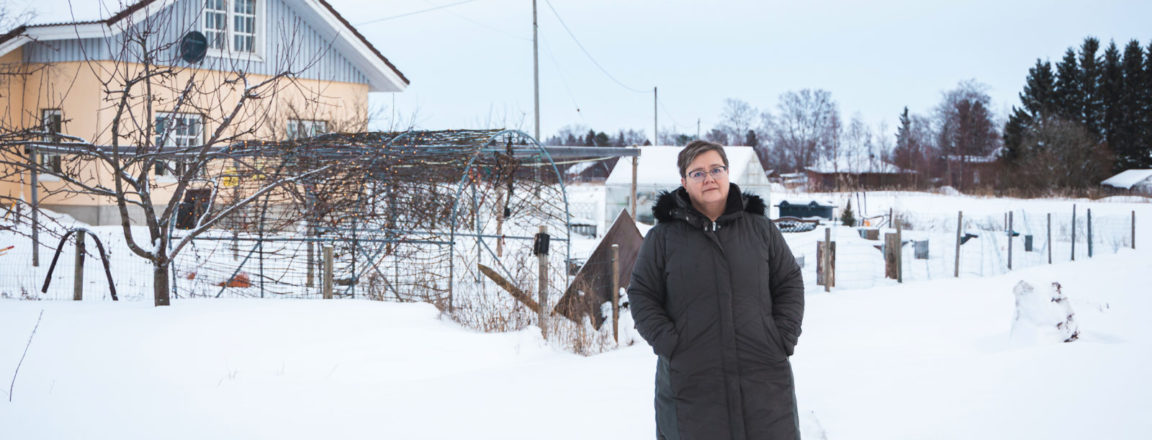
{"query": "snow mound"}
[(1043, 315)]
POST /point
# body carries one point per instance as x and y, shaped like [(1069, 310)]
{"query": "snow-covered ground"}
[(919, 360), (930, 358)]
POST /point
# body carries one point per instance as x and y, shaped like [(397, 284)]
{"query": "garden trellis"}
[(410, 216)]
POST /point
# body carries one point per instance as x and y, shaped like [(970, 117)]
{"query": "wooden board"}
[(595, 278)]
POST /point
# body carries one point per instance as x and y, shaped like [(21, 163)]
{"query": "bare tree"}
[(805, 127), (965, 126), (169, 124), (736, 119)]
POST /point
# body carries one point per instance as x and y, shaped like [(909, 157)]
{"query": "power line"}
[(414, 12), (581, 46)]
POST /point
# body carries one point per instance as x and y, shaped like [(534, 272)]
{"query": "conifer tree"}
[(1110, 92), (1067, 93), (1091, 114), (1131, 105)]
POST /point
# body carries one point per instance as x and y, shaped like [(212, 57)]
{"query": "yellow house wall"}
[(77, 89)]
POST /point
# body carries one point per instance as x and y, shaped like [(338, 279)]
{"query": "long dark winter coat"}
[(721, 304)]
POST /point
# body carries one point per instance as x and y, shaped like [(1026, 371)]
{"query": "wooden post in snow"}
[(328, 265), (616, 292), (541, 251), (635, 165), (959, 232), (899, 253), (1133, 229), (78, 271)]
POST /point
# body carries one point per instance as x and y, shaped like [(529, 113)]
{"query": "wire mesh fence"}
[(934, 246)]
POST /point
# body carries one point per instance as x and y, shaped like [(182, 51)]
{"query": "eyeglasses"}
[(717, 173)]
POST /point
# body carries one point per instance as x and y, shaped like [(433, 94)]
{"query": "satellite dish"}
[(193, 47)]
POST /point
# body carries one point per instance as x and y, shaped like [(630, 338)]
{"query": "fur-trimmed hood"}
[(675, 205)]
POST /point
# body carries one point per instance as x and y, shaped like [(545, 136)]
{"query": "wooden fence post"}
[(899, 252), (328, 265), (1133, 229), (542, 259), (959, 230), (826, 260), (1009, 240), (616, 292), (78, 271)]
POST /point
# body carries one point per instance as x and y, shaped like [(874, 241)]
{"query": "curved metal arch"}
[(461, 185)]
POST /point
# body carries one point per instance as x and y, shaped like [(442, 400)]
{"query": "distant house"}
[(657, 171), (1137, 182), (62, 68), (845, 173), (970, 171)]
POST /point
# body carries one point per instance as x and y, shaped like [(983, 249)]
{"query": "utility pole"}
[(655, 118), (536, 68)]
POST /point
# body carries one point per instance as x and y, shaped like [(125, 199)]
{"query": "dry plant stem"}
[(13, 384)]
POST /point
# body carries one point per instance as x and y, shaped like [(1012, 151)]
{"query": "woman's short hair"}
[(694, 149)]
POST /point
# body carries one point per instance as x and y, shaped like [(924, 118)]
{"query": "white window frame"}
[(53, 161), (305, 128), (177, 141), (229, 50)]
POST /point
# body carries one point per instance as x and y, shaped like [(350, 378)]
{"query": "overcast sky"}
[(471, 63)]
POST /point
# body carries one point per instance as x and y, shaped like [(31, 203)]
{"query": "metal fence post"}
[(35, 211), (959, 229), (1073, 232), (1133, 229), (78, 271), (1089, 232), (1049, 238), (328, 272), (1009, 240)]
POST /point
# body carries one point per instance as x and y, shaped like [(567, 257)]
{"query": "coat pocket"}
[(776, 340)]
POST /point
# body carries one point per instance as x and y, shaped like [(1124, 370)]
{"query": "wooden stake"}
[(78, 271), (899, 253), (826, 262), (328, 265), (616, 292), (542, 259)]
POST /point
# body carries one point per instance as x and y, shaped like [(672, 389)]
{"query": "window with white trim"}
[(303, 128), (233, 26), (52, 120), (177, 130)]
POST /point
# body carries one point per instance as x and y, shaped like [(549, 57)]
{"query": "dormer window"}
[(233, 26)]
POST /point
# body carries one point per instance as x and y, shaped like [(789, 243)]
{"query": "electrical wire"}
[(414, 12), (581, 46)]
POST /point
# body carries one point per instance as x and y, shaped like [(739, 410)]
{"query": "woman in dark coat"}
[(718, 295)]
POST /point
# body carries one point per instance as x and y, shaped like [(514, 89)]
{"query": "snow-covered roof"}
[(855, 165), (72, 19), (1128, 179), (657, 166), (988, 158)]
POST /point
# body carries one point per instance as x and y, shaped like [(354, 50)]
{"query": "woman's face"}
[(711, 189)]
